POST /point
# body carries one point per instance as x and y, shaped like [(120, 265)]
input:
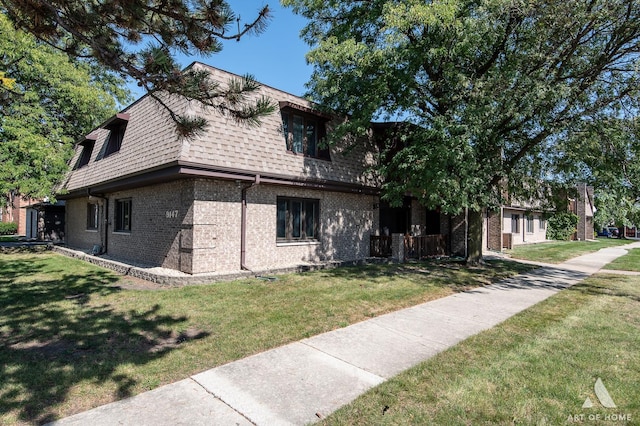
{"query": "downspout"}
[(105, 222), (243, 224)]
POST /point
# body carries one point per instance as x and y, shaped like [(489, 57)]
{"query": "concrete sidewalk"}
[(307, 380)]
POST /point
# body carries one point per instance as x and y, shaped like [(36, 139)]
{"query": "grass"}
[(536, 368), (8, 238), (74, 336), (560, 251), (628, 262)]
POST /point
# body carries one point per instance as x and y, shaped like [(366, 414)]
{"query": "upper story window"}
[(117, 126), (303, 131), (87, 149)]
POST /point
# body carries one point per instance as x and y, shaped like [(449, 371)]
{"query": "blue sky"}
[(275, 58)]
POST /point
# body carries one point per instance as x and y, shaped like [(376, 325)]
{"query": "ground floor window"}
[(297, 219), (543, 223), (515, 223), (123, 215), (530, 224), (92, 216)]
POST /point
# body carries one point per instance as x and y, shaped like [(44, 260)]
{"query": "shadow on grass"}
[(611, 285), (453, 273), (52, 338)]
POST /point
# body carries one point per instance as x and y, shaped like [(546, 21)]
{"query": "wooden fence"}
[(425, 246), (380, 246), (507, 241)]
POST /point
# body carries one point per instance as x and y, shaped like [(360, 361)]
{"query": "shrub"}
[(8, 228), (561, 226)]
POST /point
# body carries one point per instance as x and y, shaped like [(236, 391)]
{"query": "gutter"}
[(105, 222), (243, 224)]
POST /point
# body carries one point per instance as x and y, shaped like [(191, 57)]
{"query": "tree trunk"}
[(474, 237)]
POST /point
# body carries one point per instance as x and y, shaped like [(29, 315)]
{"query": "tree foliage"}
[(140, 40), (491, 86), (561, 226), (49, 103), (609, 161)]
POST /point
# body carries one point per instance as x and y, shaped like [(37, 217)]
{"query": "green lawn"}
[(8, 238), (560, 251), (74, 336), (628, 262), (537, 368)]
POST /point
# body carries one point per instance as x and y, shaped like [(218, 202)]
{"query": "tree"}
[(140, 39), (605, 153), (491, 87), (47, 103)]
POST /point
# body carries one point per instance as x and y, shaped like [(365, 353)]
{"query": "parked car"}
[(609, 232)]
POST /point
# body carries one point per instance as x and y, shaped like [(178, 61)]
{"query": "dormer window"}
[(87, 149), (303, 130), (117, 126)]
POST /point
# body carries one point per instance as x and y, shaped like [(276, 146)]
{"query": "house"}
[(525, 222), (236, 197), (513, 224)]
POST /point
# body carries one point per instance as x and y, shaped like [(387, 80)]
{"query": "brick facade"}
[(194, 225), (584, 210)]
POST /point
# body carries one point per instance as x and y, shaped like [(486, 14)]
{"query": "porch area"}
[(402, 247)]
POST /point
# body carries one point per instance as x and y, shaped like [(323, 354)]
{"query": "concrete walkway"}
[(305, 381)]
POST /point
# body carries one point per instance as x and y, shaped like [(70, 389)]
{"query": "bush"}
[(561, 226), (8, 228)]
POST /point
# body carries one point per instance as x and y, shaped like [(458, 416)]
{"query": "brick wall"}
[(160, 215), (195, 226), (346, 223), (494, 230), (77, 235)]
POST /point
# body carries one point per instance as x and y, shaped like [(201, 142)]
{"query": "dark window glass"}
[(297, 219), (298, 134), (303, 135), (115, 139), (85, 156), (529, 224), (92, 216), (123, 215), (311, 138), (282, 218), (515, 223)]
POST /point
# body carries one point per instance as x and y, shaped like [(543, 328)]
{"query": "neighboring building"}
[(514, 224), (36, 220), (16, 212), (583, 207), (525, 222)]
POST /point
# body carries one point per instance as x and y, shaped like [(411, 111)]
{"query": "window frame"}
[(123, 215), (515, 219), (308, 226), (116, 136), (529, 226), (88, 146), (542, 223), (93, 216), (304, 147)]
